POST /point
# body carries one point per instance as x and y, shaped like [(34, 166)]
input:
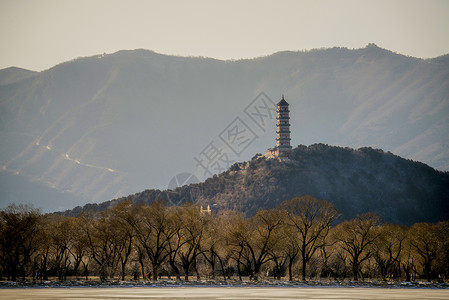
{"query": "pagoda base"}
[(278, 153)]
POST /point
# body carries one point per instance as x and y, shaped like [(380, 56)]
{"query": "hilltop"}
[(355, 181)]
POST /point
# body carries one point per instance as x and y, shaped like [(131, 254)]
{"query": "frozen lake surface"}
[(204, 293)]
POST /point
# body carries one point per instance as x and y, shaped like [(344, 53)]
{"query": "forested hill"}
[(355, 181)]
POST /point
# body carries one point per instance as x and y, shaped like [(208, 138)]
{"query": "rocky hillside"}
[(355, 181)]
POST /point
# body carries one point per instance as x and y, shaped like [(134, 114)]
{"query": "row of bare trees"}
[(299, 239)]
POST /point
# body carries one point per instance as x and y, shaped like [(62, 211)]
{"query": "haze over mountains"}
[(106, 126)]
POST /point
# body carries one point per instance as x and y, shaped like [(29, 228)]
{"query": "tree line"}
[(302, 238)]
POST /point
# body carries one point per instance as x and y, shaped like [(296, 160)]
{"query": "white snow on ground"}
[(206, 293), (231, 289)]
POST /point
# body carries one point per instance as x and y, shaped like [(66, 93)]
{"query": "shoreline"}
[(224, 284)]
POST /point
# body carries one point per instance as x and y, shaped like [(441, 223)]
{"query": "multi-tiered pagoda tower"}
[(283, 147)]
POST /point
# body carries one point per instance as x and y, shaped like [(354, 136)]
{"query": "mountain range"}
[(106, 126)]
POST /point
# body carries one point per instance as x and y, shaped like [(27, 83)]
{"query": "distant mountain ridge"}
[(14, 75), (355, 181), (106, 126)]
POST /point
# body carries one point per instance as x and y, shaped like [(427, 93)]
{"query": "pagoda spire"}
[(283, 147), (283, 128)]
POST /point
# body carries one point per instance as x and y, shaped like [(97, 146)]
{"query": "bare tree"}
[(356, 237), (120, 219), (407, 258), (279, 255), (44, 244), (213, 247), (79, 249), (253, 240), (190, 236), (19, 226), (425, 241), (236, 231), (290, 247), (174, 245), (102, 243), (61, 240), (442, 232), (311, 219), (388, 248), (154, 229)]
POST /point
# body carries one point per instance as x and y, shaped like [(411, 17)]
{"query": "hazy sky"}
[(39, 34)]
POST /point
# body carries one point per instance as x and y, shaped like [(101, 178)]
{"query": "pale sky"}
[(37, 35)]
